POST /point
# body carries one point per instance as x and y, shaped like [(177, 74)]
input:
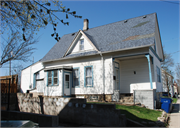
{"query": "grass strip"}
[(138, 114)]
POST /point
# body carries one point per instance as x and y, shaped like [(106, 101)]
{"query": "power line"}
[(171, 39), (169, 2), (174, 52)]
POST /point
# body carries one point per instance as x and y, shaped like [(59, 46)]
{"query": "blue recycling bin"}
[(166, 104)]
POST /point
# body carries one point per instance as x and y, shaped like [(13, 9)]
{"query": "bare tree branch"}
[(167, 74), (21, 49), (25, 15)]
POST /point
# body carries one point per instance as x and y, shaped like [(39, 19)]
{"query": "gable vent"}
[(125, 21), (144, 16)]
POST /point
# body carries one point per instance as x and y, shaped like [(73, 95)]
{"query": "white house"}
[(117, 57)]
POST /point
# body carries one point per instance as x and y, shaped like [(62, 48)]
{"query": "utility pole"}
[(10, 62), (10, 67)]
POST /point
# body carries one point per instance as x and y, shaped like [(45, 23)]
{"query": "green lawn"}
[(174, 99), (135, 113), (138, 114)]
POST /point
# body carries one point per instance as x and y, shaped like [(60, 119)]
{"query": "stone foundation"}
[(96, 97), (73, 110), (44, 104)]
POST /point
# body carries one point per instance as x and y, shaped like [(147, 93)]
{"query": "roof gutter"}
[(98, 53)]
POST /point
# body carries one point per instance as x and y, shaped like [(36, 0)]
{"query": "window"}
[(88, 76), (67, 81), (76, 77), (52, 77), (36, 76), (158, 74), (81, 45)]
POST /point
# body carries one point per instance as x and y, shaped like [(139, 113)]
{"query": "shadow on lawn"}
[(140, 122)]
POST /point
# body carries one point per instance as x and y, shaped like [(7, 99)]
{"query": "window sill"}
[(52, 85), (39, 79), (76, 87), (88, 86)]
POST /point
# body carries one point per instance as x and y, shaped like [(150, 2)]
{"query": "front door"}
[(67, 84), (117, 80), (116, 73)]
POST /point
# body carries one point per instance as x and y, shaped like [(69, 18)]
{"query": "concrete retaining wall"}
[(146, 97), (92, 114), (72, 110)]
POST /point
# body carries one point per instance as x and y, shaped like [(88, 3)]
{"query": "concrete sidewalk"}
[(175, 115)]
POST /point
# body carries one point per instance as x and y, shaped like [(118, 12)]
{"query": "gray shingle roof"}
[(135, 32)]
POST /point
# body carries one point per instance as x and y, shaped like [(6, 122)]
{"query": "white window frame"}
[(52, 78), (80, 45), (77, 77), (85, 76)]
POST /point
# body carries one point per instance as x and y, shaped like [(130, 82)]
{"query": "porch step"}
[(126, 99)]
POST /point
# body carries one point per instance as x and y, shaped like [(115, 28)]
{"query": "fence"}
[(8, 92), (4, 81)]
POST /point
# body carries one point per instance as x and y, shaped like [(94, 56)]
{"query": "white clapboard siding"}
[(26, 79), (127, 76)]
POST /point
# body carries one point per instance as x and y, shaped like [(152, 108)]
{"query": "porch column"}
[(150, 76)]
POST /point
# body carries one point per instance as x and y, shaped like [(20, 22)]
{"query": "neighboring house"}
[(167, 80), (175, 87), (117, 57)]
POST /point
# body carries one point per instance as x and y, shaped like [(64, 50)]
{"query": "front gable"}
[(80, 44)]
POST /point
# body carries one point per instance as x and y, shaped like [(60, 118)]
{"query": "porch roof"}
[(58, 67)]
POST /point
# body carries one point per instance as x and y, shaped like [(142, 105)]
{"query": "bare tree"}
[(31, 15), (16, 49), (167, 74)]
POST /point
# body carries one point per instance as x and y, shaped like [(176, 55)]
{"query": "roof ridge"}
[(113, 23), (122, 20)]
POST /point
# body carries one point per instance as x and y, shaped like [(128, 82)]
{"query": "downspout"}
[(150, 76), (102, 63), (30, 78)]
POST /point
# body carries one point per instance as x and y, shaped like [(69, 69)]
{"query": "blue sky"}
[(105, 12)]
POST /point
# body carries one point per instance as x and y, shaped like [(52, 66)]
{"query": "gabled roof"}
[(126, 34), (74, 41)]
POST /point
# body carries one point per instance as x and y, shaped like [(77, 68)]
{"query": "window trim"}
[(78, 78), (35, 79), (157, 68), (85, 76), (81, 44), (115, 64), (52, 78)]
